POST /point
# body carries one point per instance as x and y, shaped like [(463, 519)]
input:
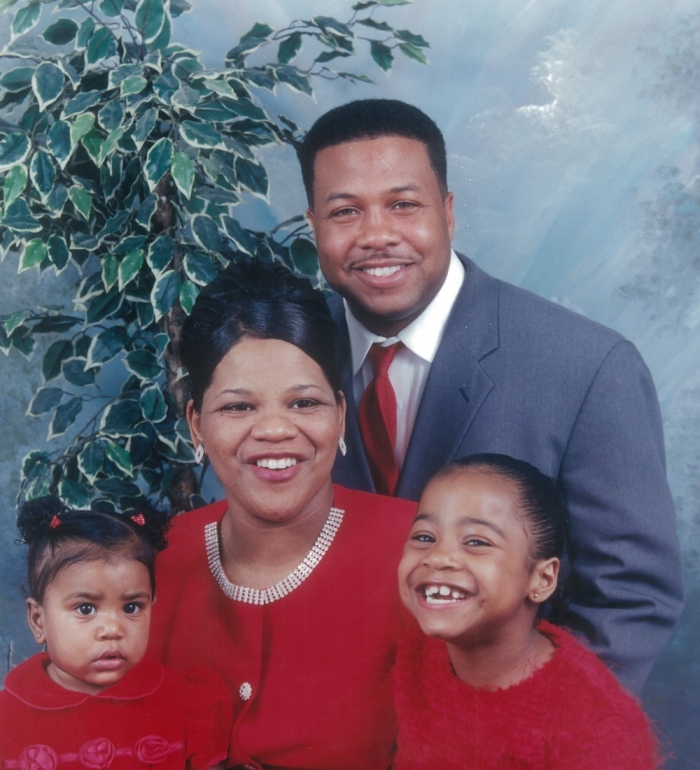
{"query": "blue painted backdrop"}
[(572, 133)]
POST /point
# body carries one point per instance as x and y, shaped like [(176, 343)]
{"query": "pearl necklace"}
[(286, 585)]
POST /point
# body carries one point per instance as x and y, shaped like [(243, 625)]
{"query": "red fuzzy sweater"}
[(570, 714)]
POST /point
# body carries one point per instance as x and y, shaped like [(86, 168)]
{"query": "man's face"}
[(382, 227)]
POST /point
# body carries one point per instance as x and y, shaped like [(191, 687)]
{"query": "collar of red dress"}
[(30, 683)]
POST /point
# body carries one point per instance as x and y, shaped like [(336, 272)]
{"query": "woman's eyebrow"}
[(300, 388)]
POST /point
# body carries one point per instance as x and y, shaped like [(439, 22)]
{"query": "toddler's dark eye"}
[(132, 608), (422, 537), (86, 609)]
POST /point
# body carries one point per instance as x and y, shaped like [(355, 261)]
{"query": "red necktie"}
[(377, 417)]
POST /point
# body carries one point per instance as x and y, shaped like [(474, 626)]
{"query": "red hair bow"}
[(139, 519), (55, 521)]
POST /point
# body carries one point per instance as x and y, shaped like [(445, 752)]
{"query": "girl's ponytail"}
[(151, 522), (37, 518)]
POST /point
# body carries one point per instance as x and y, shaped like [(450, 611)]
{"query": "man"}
[(440, 360)]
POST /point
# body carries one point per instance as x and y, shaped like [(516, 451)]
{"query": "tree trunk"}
[(185, 482)]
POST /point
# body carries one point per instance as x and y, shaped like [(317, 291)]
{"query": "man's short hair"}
[(370, 119)]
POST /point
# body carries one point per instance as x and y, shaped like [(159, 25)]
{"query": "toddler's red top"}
[(152, 717), (570, 714)]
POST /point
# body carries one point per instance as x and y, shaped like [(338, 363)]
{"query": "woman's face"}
[(270, 426)]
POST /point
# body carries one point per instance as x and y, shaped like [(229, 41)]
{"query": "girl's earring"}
[(534, 596), (342, 446), (199, 454)]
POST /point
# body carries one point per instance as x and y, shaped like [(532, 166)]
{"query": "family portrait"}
[(350, 384)]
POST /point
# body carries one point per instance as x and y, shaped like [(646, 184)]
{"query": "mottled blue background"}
[(572, 133)]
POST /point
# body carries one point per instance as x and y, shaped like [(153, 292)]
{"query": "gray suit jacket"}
[(519, 375)]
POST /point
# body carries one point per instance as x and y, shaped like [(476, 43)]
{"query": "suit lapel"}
[(457, 385), (352, 470)]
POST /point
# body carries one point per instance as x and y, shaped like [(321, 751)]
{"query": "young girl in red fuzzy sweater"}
[(482, 683), (92, 701)]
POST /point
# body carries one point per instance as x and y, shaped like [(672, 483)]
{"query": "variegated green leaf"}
[(64, 416), (200, 135), (58, 140), (14, 149), (206, 233), (15, 182), (58, 252), (60, 32), (47, 84), (133, 85), (81, 199), (44, 401), (91, 459), (15, 321), (160, 253), (81, 126), (105, 346), (120, 457), (42, 173), (153, 404), (102, 44), (74, 493), (158, 162), (26, 18), (165, 292), (149, 19), (182, 170), (199, 268), (188, 295), (110, 271), (144, 125), (143, 364), (33, 255), (129, 267)]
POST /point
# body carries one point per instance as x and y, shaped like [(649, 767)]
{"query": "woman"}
[(287, 588)]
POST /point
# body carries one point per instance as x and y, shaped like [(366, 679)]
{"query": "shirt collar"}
[(30, 684), (422, 336)]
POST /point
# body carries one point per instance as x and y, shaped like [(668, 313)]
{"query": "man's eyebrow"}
[(340, 196), (393, 190)]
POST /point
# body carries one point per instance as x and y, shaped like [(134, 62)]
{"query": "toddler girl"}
[(484, 684), (92, 700)]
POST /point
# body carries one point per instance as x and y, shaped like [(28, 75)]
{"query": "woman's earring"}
[(199, 454), (342, 446), (534, 596)]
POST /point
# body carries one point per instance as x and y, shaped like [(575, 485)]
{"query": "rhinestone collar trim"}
[(286, 585)]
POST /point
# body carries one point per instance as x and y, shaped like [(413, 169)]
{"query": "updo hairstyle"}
[(59, 536), (261, 299)]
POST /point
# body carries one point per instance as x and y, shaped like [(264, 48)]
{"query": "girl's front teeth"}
[(441, 594), (275, 465)]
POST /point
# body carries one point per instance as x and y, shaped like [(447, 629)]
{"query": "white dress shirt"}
[(409, 370)]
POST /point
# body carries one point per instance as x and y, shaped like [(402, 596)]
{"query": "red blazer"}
[(316, 662), (152, 716), (570, 714)]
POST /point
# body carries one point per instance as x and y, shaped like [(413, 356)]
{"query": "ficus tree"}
[(122, 158)]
